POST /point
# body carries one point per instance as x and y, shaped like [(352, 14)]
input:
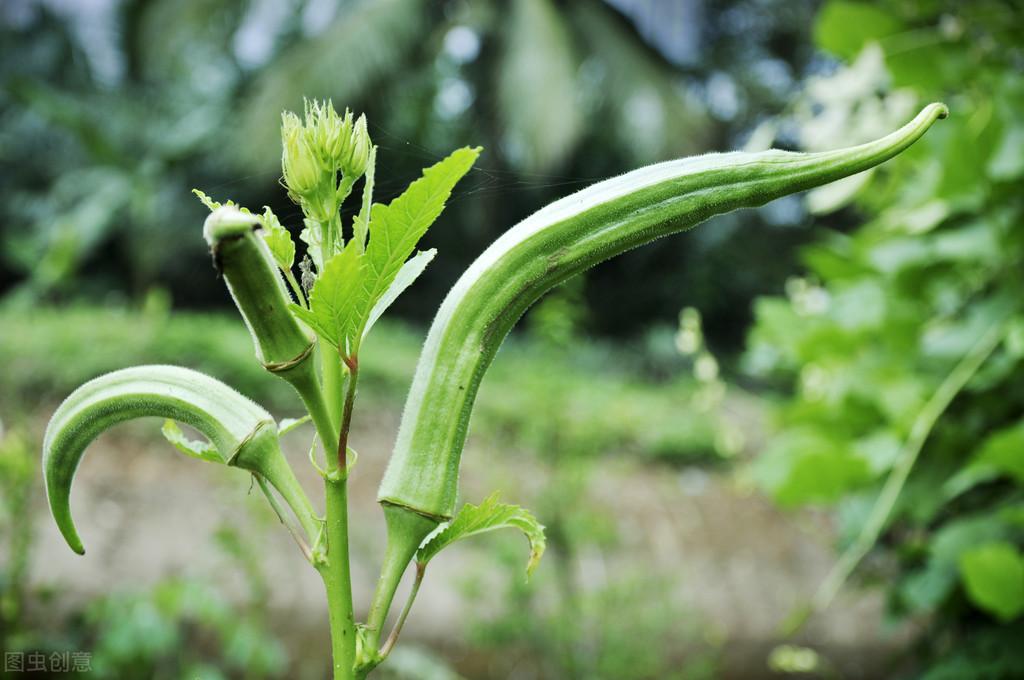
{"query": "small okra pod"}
[(257, 288), (242, 433), (561, 240), (259, 292)]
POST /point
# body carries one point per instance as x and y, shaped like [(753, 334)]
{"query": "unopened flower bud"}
[(299, 161), (360, 149)]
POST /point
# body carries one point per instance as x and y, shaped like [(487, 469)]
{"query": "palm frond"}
[(361, 47), (537, 87), (653, 114)]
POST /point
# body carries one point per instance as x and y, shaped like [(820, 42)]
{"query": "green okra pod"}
[(558, 242), (242, 433), (259, 292), (257, 288)]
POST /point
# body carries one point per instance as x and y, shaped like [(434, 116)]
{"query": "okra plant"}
[(308, 328)]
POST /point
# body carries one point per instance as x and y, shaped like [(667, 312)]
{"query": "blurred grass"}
[(588, 396)]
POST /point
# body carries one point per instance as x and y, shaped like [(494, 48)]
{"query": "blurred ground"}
[(145, 513)]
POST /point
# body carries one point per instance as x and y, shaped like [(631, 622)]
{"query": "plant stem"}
[(333, 379), (296, 288), (336, 572), (338, 581), (397, 630), (919, 431), (346, 414)]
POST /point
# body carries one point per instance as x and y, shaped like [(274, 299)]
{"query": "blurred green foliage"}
[(178, 629), (17, 477), (888, 311), (110, 114)]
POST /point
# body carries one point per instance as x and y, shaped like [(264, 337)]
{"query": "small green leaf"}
[(288, 424), (488, 516), (203, 450), (213, 205), (279, 241), (1004, 450), (397, 227), (206, 200), (361, 224), (355, 287), (993, 575), (409, 272), (334, 303)]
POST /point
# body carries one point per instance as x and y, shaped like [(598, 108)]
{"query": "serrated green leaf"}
[(361, 224), (206, 200), (397, 227), (335, 312), (409, 272), (203, 450), (355, 287), (993, 576), (488, 516), (278, 240), (213, 205)]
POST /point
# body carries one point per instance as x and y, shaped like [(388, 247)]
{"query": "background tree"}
[(560, 94)]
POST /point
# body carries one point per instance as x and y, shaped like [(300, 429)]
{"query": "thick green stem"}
[(336, 571), (333, 384), (338, 581), (303, 378)]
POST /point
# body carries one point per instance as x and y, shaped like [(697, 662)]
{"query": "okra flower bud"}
[(558, 242), (359, 150), (300, 162)]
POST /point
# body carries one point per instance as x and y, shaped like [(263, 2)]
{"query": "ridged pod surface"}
[(243, 433), (256, 287), (559, 241)]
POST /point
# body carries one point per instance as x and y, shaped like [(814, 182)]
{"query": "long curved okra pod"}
[(242, 433), (552, 245)]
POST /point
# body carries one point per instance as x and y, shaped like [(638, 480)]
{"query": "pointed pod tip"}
[(942, 111), (67, 530), (74, 542)]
